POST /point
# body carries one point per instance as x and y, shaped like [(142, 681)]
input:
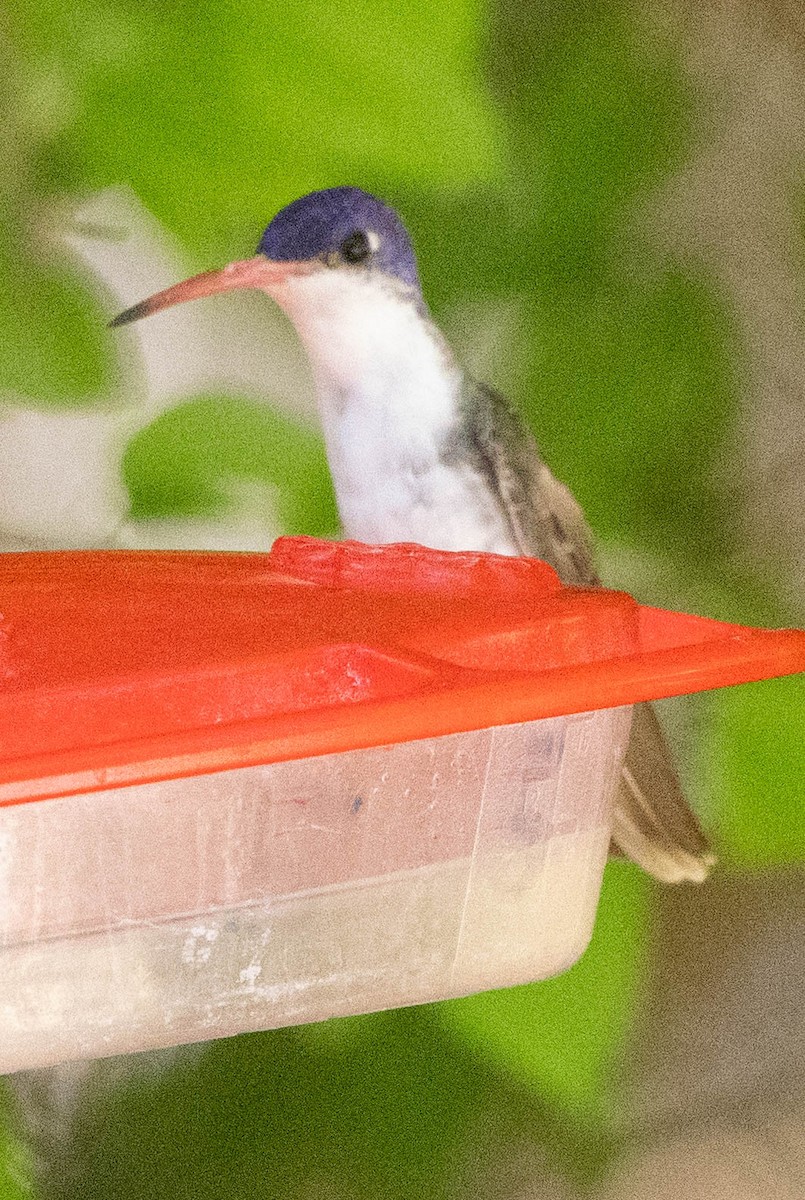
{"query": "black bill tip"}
[(131, 314)]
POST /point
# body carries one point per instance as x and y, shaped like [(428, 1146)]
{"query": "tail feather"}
[(653, 823)]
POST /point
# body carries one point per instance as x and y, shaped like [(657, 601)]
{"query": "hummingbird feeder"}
[(240, 791)]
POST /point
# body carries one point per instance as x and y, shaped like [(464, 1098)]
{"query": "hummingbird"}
[(419, 451)]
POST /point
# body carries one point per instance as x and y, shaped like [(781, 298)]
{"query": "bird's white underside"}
[(388, 392)]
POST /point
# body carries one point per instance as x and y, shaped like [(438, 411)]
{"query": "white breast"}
[(388, 393)]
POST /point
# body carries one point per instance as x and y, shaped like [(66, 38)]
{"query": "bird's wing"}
[(653, 823), (546, 522)]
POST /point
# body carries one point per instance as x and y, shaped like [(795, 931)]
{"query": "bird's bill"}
[(258, 272)]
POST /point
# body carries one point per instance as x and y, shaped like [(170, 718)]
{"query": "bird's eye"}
[(357, 247)]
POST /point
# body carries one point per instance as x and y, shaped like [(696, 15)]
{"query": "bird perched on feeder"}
[(421, 452)]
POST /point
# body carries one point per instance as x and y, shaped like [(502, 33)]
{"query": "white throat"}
[(389, 395)]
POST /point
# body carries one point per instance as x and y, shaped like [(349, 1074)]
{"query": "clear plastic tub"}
[(270, 895), (283, 841)]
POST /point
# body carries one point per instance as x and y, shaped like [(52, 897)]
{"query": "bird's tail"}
[(653, 823)]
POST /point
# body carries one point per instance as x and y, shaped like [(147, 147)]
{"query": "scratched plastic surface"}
[(190, 909), (245, 791)]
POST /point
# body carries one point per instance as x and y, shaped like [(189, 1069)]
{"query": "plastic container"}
[(244, 791)]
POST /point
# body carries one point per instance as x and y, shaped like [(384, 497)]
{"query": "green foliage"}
[(755, 767), (560, 1039), (178, 465), (643, 370), (628, 381), (52, 346), (15, 1167), (272, 1115), (218, 113), (606, 118)]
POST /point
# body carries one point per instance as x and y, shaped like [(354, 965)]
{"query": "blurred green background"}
[(544, 158)]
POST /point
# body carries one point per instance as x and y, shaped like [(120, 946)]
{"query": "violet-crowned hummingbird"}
[(421, 452)]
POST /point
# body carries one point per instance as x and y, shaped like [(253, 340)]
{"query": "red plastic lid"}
[(122, 667)]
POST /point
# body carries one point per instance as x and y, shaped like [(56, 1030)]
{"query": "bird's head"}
[(318, 254)]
